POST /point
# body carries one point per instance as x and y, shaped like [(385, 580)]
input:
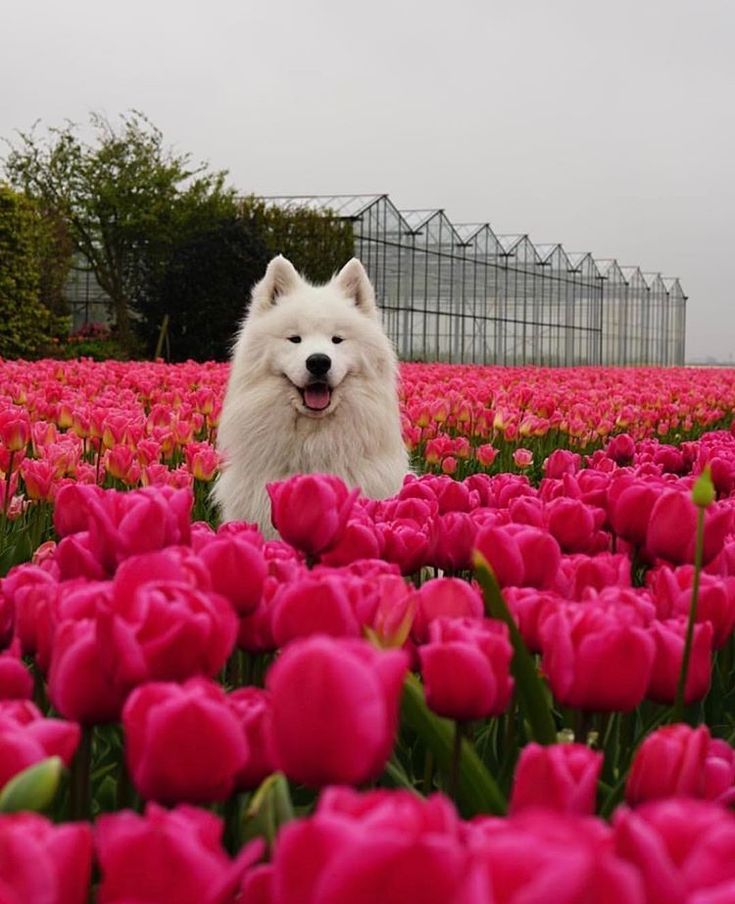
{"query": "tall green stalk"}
[(703, 494), (80, 792)]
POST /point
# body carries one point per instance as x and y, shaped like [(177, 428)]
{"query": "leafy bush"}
[(316, 242), (27, 325), (203, 284), (202, 278), (121, 197)]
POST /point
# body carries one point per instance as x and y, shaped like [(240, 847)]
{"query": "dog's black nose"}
[(318, 364)]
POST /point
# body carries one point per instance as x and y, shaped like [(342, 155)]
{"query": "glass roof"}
[(342, 205), (415, 219), (605, 264), (545, 250), (509, 242), (633, 273), (353, 206), (652, 278), (467, 231)]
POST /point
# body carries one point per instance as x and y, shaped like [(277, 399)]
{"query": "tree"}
[(119, 196), (316, 242), (219, 249), (27, 325), (204, 286)]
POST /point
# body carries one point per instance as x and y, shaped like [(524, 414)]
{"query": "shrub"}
[(203, 286), (27, 325), (316, 242)]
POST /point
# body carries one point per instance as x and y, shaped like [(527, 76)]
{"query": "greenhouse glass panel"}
[(464, 293)]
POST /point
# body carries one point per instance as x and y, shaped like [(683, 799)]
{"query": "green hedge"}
[(30, 263), (316, 242)]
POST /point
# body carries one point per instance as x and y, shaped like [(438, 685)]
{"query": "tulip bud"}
[(703, 491)]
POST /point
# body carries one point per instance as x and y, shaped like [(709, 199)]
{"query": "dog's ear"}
[(355, 283), (280, 278)]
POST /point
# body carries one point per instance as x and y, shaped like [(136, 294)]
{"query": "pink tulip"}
[(16, 682), (237, 571), (683, 850), (15, 428), (560, 462), (252, 709), (358, 686), (313, 606), (444, 598), (384, 845), (520, 555), (167, 855), (523, 458), (669, 639), (486, 454), (679, 761), (621, 448), (596, 660), (466, 668), (537, 854), (183, 742), (560, 777), (27, 738), (672, 529), (311, 511), (44, 862)]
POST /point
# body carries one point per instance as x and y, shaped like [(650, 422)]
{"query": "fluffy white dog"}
[(312, 389)]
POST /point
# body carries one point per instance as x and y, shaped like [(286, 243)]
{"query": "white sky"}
[(607, 125)]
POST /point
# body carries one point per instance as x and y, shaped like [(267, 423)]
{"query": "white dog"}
[(312, 389)]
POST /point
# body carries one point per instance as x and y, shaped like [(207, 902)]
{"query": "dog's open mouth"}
[(316, 396)]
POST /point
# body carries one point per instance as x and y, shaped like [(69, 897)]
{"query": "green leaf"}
[(398, 776), (531, 690), (477, 791), (269, 808), (32, 789)]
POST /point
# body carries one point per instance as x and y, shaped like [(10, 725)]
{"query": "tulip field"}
[(512, 683)]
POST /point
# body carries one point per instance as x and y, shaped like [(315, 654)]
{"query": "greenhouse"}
[(460, 292)]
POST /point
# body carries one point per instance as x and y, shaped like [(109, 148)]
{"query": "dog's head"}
[(316, 338)]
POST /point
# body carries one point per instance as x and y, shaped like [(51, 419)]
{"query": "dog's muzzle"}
[(317, 396)]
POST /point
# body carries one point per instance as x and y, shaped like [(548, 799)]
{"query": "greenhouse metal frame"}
[(463, 293)]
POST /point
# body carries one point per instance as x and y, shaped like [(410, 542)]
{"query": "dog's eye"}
[(337, 339), (294, 339)]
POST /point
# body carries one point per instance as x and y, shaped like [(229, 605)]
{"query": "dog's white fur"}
[(266, 431)]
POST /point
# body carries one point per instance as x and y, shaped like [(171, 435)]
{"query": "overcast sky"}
[(607, 125)]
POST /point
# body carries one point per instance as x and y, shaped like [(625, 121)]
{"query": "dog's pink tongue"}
[(317, 396)]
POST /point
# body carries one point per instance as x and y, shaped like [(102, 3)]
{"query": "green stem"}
[(246, 667), (678, 712), (125, 791), (583, 720), (99, 460), (428, 782), (8, 477), (79, 793), (39, 689), (232, 824), (456, 757), (232, 670), (6, 500), (532, 693), (477, 791)]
